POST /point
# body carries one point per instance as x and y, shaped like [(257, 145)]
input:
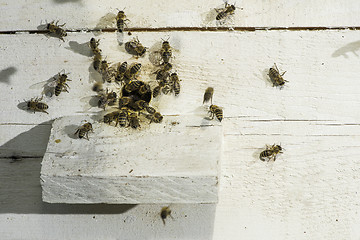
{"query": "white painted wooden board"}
[(98, 14), (159, 163), (321, 69), (310, 192)]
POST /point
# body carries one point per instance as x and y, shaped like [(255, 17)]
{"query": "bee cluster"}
[(131, 103)]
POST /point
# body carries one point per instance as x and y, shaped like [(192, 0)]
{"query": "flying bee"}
[(208, 95), (141, 104), (133, 85), (277, 78), (97, 62), (120, 72), (134, 47), (155, 117), (61, 85), (270, 152), (120, 21), (124, 101), (94, 45), (107, 98), (56, 29), (36, 105), (165, 212), (174, 80), (163, 73), (216, 111), (223, 13), (98, 87), (166, 51), (133, 120), (144, 89), (84, 130)]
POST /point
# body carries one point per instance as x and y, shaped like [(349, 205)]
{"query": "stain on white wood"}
[(159, 163), (92, 14)]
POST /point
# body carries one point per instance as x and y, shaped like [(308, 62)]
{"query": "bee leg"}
[(76, 131), (283, 73), (87, 136), (44, 111)]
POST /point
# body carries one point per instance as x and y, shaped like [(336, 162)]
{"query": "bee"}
[(133, 120), (134, 47), (37, 106), (120, 21), (97, 63), (108, 118), (144, 89), (124, 101), (277, 78), (155, 117), (135, 69), (120, 72), (61, 85), (166, 51), (133, 85), (163, 74), (124, 114), (84, 130), (106, 98), (174, 79), (94, 45), (270, 152), (106, 72), (98, 87), (157, 89), (165, 212), (208, 95), (216, 111), (225, 12), (141, 104), (56, 29)]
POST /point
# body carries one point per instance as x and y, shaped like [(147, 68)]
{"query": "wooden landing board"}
[(175, 161)]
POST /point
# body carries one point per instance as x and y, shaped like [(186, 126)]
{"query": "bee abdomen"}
[(120, 25), (58, 89), (221, 16), (177, 88), (156, 91), (265, 154), (42, 106)]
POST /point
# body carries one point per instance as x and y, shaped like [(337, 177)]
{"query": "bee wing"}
[(47, 83), (201, 111)]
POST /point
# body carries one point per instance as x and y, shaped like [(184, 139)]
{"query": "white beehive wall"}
[(310, 192)]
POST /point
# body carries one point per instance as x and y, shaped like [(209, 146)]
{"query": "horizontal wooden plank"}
[(93, 14), (321, 70)]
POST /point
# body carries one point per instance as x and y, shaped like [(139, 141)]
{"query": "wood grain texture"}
[(160, 163), (97, 14)]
